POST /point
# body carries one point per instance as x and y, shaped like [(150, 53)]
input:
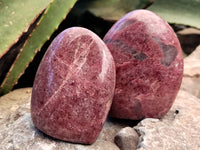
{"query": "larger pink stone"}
[(74, 87), (149, 65)]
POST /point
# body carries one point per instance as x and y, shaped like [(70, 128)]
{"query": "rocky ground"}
[(178, 130)]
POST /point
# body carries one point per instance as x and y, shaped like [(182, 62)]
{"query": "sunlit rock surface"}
[(178, 130)]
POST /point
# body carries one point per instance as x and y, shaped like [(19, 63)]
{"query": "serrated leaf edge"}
[(36, 51)]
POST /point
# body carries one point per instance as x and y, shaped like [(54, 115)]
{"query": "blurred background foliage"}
[(27, 28)]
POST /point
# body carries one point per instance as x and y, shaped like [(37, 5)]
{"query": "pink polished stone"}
[(74, 87), (149, 65)]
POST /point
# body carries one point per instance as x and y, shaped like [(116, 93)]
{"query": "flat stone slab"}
[(178, 130)]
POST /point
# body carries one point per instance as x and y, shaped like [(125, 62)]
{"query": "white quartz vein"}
[(71, 69)]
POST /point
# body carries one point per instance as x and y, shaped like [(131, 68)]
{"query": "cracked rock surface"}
[(178, 130)]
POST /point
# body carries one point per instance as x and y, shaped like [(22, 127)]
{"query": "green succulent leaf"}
[(49, 22), (184, 12), (16, 17), (111, 9)]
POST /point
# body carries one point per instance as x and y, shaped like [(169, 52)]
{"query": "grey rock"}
[(17, 131), (127, 139), (178, 130)]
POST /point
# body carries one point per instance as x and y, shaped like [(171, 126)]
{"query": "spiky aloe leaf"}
[(178, 11), (50, 21), (16, 17), (111, 9)]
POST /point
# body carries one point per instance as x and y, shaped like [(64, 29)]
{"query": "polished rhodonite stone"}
[(149, 65), (74, 87)]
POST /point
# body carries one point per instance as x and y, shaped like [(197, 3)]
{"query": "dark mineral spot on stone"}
[(169, 52), (125, 48), (140, 56), (137, 109)]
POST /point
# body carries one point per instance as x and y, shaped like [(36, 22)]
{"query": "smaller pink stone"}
[(149, 65), (74, 87)]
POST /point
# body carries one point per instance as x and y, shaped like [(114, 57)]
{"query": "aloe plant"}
[(49, 22), (16, 17)]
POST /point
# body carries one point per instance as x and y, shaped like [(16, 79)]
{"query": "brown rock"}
[(178, 130), (191, 81), (127, 139)]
